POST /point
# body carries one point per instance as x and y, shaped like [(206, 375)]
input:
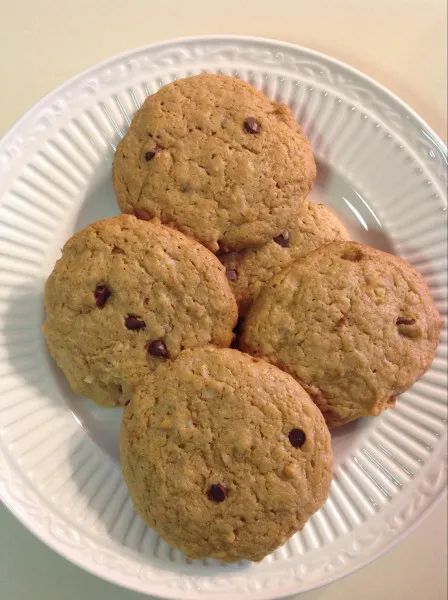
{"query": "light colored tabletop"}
[(400, 43)]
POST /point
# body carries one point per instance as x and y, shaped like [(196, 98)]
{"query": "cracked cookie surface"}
[(313, 225), (214, 157), (224, 455), (356, 326), (127, 295)]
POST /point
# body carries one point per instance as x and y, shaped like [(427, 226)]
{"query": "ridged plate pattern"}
[(380, 168)]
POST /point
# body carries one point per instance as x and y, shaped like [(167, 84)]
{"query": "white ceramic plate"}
[(382, 170)]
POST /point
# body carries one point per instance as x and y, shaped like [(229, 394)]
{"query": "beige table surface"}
[(401, 43)]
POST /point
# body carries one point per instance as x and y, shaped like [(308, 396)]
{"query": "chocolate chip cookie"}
[(128, 295), (354, 325), (224, 455), (248, 271), (214, 157)]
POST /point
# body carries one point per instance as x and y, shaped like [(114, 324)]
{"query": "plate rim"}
[(8, 501), (109, 576), (211, 37)]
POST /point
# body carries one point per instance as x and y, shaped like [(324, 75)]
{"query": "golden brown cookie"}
[(224, 455), (128, 295), (249, 270), (354, 325), (214, 157)]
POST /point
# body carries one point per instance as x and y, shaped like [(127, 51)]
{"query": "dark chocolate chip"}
[(127, 402), (282, 240), (231, 274), (134, 323), (217, 492), (117, 250), (149, 154), (297, 438), (403, 321), (251, 125), (102, 294), (158, 348)]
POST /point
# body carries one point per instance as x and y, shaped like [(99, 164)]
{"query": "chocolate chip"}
[(127, 402), (391, 401), (117, 250), (102, 294), (134, 323), (231, 274), (251, 125), (282, 240), (149, 154), (142, 214), (408, 328), (217, 492), (353, 254), (297, 438), (403, 321), (158, 348), (342, 321)]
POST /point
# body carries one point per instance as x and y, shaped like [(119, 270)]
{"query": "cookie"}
[(128, 295), (354, 325), (214, 157), (248, 271), (224, 455)]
